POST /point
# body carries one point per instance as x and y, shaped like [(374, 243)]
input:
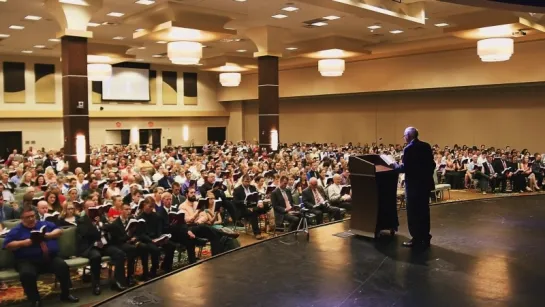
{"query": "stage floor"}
[(484, 253)]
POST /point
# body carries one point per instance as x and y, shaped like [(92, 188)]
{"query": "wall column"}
[(75, 98), (268, 99)]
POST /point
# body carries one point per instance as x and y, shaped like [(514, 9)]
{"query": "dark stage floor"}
[(484, 253)]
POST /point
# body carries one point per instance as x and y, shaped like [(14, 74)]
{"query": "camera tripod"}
[(303, 224)]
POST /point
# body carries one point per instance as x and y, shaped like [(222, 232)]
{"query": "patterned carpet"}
[(15, 295)]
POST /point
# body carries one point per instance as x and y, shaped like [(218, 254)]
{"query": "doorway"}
[(9, 141), (217, 134), (150, 136)]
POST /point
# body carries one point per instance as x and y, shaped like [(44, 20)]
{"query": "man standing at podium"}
[(418, 166)]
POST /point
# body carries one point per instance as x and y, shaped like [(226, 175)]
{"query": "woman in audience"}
[(26, 181), (68, 215), (115, 210), (72, 195), (49, 174), (260, 185), (53, 203), (527, 172), (40, 181), (322, 180), (112, 190)]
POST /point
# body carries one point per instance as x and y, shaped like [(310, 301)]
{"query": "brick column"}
[(268, 99), (75, 109)]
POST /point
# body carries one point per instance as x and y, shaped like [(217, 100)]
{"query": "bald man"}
[(43, 208), (418, 166), (315, 199)]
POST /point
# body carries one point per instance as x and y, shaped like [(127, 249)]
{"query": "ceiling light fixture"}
[(141, 48), (139, 30), (119, 38), (75, 2), (319, 24), (93, 24), (39, 46), (16, 27), (156, 56), (115, 14), (374, 27), (230, 79), (396, 31), (240, 0), (184, 53), (161, 42), (26, 51), (290, 8), (331, 67), (442, 24), (4, 35), (145, 2), (32, 17), (332, 17), (291, 48), (279, 16), (55, 40), (241, 50), (495, 49)]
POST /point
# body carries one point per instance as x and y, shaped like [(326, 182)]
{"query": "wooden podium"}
[(374, 196)]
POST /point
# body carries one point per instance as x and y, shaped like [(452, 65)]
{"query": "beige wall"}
[(424, 71), (495, 117), (235, 128)]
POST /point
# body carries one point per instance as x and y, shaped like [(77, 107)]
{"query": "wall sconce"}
[(135, 136), (80, 148), (274, 139), (185, 133)]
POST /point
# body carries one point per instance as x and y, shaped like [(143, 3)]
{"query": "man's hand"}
[(132, 240), (100, 244), (15, 206), (191, 234), (97, 219), (260, 204)]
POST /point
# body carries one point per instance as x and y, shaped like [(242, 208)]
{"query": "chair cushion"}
[(6, 275), (6, 257), (76, 262), (442, 186)]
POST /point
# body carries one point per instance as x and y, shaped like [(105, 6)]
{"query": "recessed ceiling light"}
[(240, 0), (279, 16), (426, 18), (156, 56), (138, 30), (319, 24), (76, 2), (374, 27), (16, 27), (26, 51), (290, 8), (116, 14), (4, 35), (241, 50), (39, 46), (161, 42), (119, 38), (145, 2), (32, 17), (331, 17), (396, 31), (55, 40), (442, 24), (141, 48), (291, 48), (139, 60), (93, 24)]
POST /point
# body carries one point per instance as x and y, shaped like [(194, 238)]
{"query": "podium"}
[(374, 196)]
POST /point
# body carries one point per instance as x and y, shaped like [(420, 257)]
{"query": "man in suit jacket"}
[(165, 182), (315, 195), (93, 244), (249, 211), (7, 212), (418, 166), (490, 173), (177, 197), (282, 203), (500, 166), (218, 193)]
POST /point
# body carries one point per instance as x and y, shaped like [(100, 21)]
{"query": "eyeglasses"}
[(28, 217)]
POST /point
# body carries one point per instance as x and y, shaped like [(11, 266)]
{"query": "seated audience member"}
[(166, 181), (334, 194), (282, 203), (501, 167), (153, 230), (251, 211), (537, 170), (68, 215), (8, 212), (526, 168), (177, 197), (92, 237), (33, 257), (6, 193), (117, 208), (208, 185), (489, 176), (315, 199)]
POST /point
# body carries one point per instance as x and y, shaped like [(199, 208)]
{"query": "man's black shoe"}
[(70, 298)]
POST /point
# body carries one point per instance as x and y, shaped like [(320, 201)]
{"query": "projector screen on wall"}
[(127, 84)]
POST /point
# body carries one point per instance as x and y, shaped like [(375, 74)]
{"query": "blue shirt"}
[(20, 232)]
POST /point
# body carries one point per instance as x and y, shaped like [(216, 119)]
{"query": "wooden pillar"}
[(75, 98), (268, 99)]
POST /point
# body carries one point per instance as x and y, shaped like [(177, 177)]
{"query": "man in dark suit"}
[(418, 166), (93, 244), (315, 195), (490, 173), (282, 203), (165, 182), (219, 194), (500, 165), (177, 197), (7, 212), (248, 210)]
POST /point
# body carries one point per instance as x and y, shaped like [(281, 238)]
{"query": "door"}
[(9, 141), (125, 137), (217, 134), (156, 138)]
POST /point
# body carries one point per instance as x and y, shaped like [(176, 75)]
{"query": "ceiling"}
[(350, 32)]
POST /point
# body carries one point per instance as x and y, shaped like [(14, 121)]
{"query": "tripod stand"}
[(303, 224)]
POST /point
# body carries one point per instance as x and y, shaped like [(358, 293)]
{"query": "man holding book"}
[(248, 202), (35, 247)]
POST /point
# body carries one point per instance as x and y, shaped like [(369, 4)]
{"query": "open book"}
[(52, 217), (99, 210), (270, 189), (328, 180), (35, 200), (252, 198), (162, 239), (388, 159), (508, 169), (176, 218), (38, 235), (345, 189), (4, 232), (134, 223)]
